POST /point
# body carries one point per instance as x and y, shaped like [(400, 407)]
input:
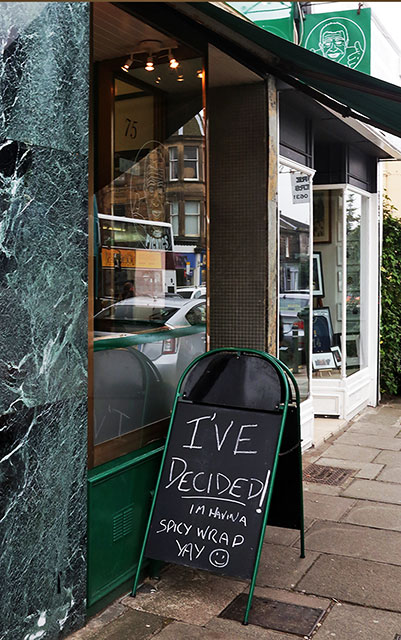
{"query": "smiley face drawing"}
[(219, 558)]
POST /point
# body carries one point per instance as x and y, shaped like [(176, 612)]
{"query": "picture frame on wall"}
[(321, 217), (322, 330), (336, 351), (352, 349), (323, 361), (317, 275)]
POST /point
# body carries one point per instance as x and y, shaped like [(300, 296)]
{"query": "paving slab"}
[(371, 514), (356, 581), (131, 625), (387, 410), (390, 474), (349, 452), (278, 535), (362, 440), (348, 622), (219, 629), (287, 537), (324, 489), (369, 471), (374, 490), (282, 567), (326, 507), (385, 417), (292, 597), (188, 595), (355, 541), (389, 457), (370, 428)]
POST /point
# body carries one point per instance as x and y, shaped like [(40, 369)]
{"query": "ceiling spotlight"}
[(127, 64), (157, 81), (149, 64), (199, 74), (180, 78), (173, 62)]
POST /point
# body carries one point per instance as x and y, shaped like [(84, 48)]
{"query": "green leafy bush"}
[(390, 341)]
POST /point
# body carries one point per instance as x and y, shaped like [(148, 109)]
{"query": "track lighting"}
[(127, 64), (172, 60), (149, 64)]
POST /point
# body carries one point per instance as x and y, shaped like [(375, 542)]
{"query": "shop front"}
[(329, 225), (208, 171)]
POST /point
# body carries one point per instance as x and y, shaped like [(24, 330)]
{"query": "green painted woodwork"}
[(119, 499)]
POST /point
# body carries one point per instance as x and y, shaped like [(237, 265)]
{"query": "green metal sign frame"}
[(285, 375)]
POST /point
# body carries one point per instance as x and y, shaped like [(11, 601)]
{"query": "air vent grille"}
[(123, 523)]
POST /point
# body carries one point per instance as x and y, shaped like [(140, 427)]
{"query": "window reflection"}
[(150, 251), (353, 210), (294, 304), (327, 283)]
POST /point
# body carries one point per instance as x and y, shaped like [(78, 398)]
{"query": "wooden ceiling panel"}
[(117, 33)]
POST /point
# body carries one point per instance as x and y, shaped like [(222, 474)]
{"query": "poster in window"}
[(321, 217)]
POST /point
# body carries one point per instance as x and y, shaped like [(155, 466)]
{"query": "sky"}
[(389, 14)]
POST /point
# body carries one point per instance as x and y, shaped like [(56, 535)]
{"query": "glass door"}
[(294, 199)]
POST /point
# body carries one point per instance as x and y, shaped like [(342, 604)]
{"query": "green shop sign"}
[(343, 36)]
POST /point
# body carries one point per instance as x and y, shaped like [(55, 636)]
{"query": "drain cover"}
[(326, 475), (272, 614)]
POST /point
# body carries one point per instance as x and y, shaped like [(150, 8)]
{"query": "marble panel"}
[(43, 264), (43, 521), (44, 74), (44, 70)]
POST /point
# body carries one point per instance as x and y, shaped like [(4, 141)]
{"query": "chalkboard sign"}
[(232, 464), (213, 489)]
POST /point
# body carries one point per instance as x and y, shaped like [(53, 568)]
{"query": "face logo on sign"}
[(219, 558), (339, 39)]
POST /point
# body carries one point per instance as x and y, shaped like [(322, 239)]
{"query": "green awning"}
[(349, 92)]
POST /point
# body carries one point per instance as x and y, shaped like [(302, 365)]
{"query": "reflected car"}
[(292, 305), (182, 321), (192, 292)]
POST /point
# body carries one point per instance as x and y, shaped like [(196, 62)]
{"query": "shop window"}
[(138, 268), (191, 163), (339, 305), (355, 209), (174, 217), (192, 218), (294, 197), (173, 163)]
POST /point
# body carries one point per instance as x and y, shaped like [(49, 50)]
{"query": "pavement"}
[(347, 587)]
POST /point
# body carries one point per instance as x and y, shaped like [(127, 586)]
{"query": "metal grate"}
[(273, 614), (326, 475), (123, 523)]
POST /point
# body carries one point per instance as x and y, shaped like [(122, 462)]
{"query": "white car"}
[(182, 321), (192, 292)]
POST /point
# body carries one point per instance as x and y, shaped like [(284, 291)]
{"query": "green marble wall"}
[(44, 65)]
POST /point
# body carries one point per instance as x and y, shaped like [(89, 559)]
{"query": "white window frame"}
[(175, 215), (173, 162), (197, 215), (196, 178)]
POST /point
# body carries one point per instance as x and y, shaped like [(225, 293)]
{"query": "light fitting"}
[(149, 66), (127, 64), (172, 60)]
